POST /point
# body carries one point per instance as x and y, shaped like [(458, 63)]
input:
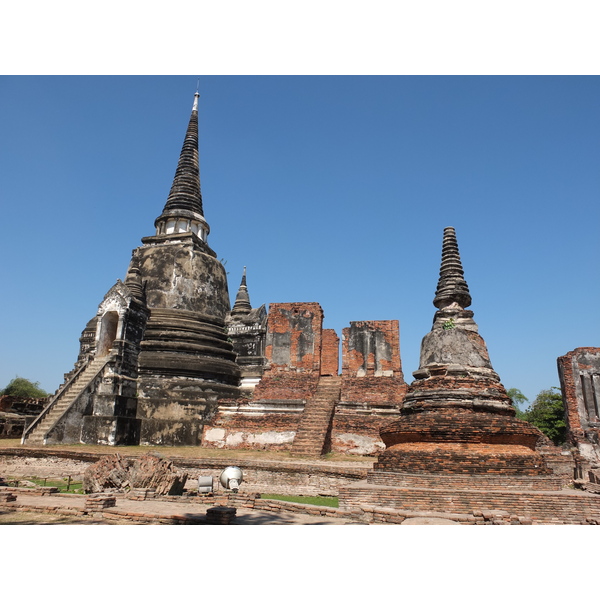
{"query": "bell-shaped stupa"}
[(456, 417)]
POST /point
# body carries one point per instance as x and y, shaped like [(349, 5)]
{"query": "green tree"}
[(547, 413), (23, 388), (518, 399)]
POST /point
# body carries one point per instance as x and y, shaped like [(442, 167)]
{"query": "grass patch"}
[(63, 484), (332, 501)]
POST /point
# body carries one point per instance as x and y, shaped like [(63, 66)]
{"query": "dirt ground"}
[(20, 468), (36, 518)]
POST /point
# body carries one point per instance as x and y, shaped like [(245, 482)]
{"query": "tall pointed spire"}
[(242, 304), (452, 287), (457, 418), (183, 210)]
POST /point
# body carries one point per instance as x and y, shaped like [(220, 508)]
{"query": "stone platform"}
[(537, 506)]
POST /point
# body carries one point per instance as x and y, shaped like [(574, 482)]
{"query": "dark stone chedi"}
[(456, 417), (156, 357), (186, 361), (247, 328)]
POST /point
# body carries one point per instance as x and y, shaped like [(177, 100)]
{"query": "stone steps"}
[(58, 409), (316, 419)]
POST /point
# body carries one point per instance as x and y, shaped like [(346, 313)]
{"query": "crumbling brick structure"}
[(330, 353), (373, 386), (457, 417), (16, 413), (579, 373), (271, 417), (293, 352), (457, 427), (294, 395), (154, 363)]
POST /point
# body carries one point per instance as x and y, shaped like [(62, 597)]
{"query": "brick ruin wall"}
[(373, 386), (330, 353), (540, 506), (16, 413), (298, 352), (579, 373), (388, 503), (270, 417), (294, 332)]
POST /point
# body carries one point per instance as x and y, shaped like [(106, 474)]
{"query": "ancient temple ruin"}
[(155, 358), (456, 416), (247, 328), (165, 361), (302, 403), (579, 373), (457, 446)]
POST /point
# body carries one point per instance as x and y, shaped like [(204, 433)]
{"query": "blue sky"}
[(330, 189)]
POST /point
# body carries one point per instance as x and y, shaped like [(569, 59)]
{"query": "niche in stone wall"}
[(589, 388), (108, 332)]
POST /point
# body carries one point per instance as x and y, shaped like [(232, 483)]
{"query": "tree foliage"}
[(518, 400), (547, 413), (23, 388)]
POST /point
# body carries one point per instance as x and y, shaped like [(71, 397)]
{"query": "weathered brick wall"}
[(371, 348), (354, 432), (16, 413), (259, 476), (473, 482), (258, 425), (293, 351), (373, 391), (286, 386), (579, 373), (559, 507), (299, 351), (23, 406), (270, 418), (462, 458), (11, 425), (373, 386), (265, 478), (330, 352), (293, 341)]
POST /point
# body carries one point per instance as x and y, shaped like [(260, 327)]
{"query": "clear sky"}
[(330, 189)]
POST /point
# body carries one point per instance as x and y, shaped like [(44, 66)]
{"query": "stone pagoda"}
[(457, 449), (155, 359), (247, 328), (456, 416), (186, 361)]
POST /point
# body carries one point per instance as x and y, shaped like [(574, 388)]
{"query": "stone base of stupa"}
[(452, 440), (533, 500)]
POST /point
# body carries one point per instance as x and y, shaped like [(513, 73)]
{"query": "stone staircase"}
[(316, 419), (36, 433)]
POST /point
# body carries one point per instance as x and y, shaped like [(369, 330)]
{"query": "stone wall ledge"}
[(353, 471), (445, 481), (566, 507)]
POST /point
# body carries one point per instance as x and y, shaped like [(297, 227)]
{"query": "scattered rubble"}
[(115, 472)]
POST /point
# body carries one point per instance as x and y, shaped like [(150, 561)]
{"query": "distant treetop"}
[(23, 388)]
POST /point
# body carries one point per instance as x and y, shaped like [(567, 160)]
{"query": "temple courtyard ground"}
[(58, 509), (270, 472)]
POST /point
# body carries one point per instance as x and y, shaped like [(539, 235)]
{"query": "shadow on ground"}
[(35, 518)]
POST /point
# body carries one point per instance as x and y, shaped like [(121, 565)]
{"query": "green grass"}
[(75, 487), (317, 500)]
